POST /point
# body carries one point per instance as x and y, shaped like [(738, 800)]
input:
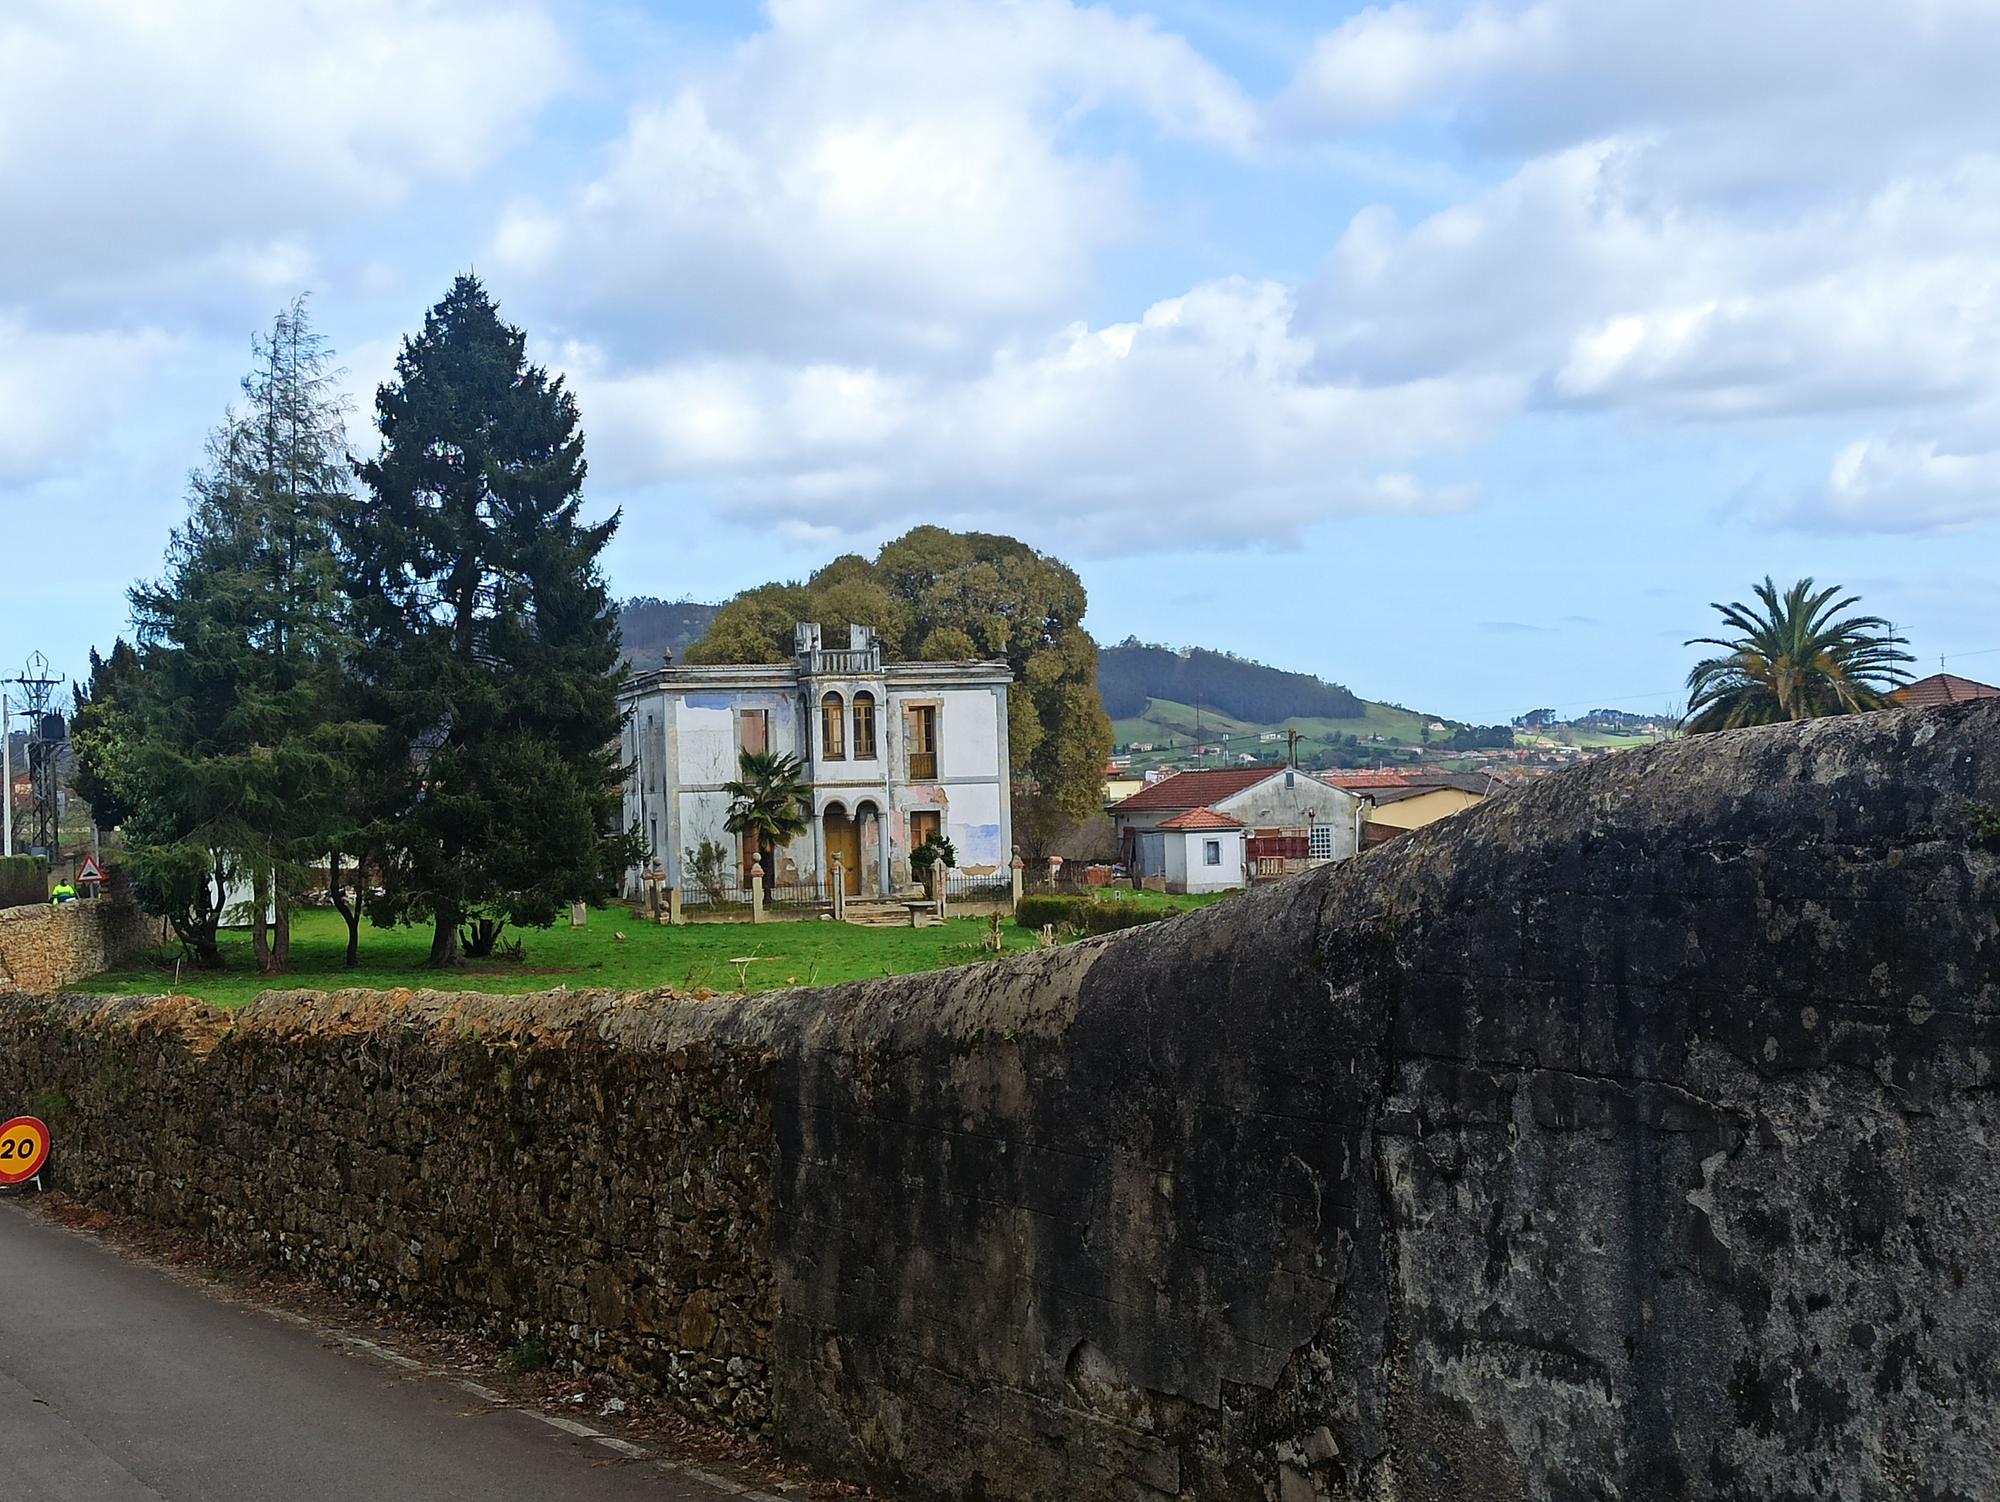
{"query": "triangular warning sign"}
[(89, 871)]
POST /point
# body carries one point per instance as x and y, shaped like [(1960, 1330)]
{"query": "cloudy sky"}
[(1460, 353)]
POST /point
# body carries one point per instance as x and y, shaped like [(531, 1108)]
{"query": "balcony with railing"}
[(841, 663)]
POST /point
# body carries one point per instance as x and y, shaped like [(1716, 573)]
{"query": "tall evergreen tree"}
[(218, 743), (488, 644), (95, 734)]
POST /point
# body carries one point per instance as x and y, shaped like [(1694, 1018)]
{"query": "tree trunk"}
[(260, 933), (281, 936), (444, 942), (767, 862), (350, 913)]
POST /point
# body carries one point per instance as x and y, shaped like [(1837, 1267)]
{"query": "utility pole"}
[(6, 779), (38, 685)]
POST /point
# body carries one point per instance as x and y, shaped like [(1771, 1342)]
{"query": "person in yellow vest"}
[(63, 893)]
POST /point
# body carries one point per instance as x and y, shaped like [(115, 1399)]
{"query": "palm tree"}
[(1796, 658), (769, 799)]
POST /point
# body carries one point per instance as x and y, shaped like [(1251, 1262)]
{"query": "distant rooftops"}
[(1942, 688)]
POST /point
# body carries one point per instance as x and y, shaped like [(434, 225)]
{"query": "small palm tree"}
[(769, 800), (1796, 658)]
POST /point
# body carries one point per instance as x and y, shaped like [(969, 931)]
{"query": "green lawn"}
[(711, 956)]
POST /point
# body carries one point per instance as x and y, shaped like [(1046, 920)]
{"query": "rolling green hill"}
[(1170, 728)]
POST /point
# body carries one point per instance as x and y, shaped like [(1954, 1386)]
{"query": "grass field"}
[(698, 956)]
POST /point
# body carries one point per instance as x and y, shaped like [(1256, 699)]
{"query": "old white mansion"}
[(894, 752)]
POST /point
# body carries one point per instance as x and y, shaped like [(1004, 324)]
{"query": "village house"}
[(1402, 800), (893, 752), (1942, 688), (1211, 830)]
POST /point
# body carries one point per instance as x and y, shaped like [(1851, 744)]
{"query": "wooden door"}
[(843, 838)]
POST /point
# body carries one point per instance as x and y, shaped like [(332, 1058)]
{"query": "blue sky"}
[(1460, 353)]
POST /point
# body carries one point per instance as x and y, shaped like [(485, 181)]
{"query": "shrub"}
[(24, 880), (1985, 821), (529, 1354), (1084, 914), (1040, 912)]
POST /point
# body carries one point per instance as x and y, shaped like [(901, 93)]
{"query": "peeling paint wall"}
[(1632, 1136)]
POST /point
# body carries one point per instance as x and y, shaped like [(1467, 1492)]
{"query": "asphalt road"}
[(119, 1383)]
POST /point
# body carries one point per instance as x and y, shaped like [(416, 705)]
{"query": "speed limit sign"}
[(24, 1148)]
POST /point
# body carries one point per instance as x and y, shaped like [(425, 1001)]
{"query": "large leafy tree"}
[(769, 800), (488, 645), (934, 594), (214, 740), (1793, 656)]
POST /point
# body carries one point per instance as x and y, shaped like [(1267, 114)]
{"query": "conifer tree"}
[(488, 645), (226, 754)]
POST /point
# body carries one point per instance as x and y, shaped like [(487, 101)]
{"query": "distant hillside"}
[(652, 628), (1133, 673)]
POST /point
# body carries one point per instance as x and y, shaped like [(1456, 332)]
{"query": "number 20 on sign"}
[(24, 1148)]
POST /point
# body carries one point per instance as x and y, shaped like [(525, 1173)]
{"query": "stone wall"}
[(1633, 1135), (43, 949), (591, 1174)]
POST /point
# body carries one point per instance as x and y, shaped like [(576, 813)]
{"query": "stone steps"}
[(881, 913)]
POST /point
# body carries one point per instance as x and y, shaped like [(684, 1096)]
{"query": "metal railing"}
[(736, 897), (1071, 876), (986, 886), (841, 662)]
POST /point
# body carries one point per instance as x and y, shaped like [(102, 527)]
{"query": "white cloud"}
[(1597, 291), (1782, 91), (1386, 62), (1896, 485), (160, 144), (59, 389), (870, 175), (1197, 425)]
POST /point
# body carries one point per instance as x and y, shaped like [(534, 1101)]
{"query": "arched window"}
[(832, 728), (864, 726)]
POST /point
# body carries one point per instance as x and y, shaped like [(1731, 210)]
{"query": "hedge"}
[(1083, 913), (24, 880)]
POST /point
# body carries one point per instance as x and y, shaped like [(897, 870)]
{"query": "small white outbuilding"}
[(1196, 851)]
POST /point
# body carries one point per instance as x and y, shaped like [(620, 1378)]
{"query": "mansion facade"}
[(893, 753)]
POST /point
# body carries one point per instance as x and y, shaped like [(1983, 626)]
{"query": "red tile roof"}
[(1195, 789), (1201, 818), (1381, 777), (1942, 688)]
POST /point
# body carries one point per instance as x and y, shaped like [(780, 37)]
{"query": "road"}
[(119, 1383)]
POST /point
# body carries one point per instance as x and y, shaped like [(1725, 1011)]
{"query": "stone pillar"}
[(673, 907), (757, 897), (1019, 868), (839, 889), (1055, 871)]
